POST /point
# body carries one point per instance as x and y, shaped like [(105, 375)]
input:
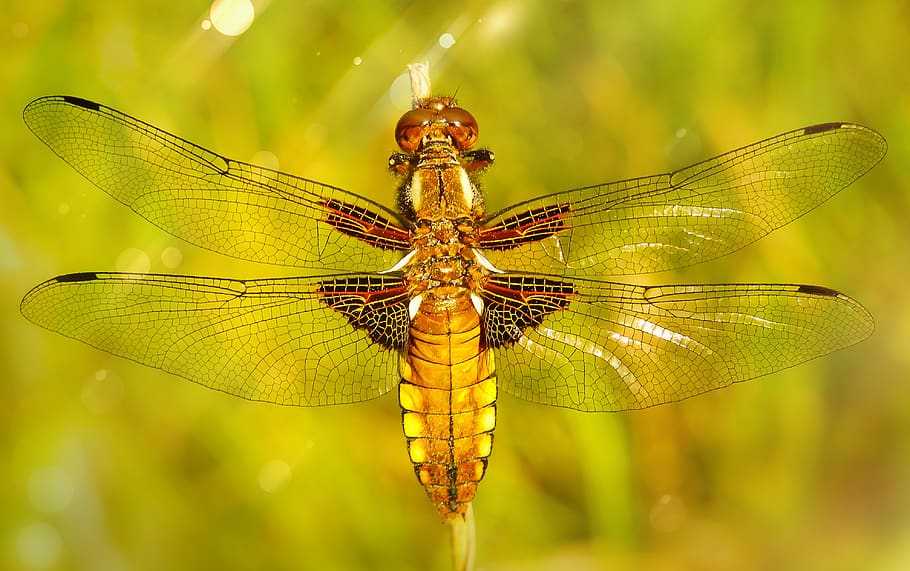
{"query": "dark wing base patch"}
[(376, 304), (365, 225), (516, 302), (532, 225)]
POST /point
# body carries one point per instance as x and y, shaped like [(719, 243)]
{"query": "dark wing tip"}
[(860, 129), (77, 277), (822, 127), (80, 102), (818, 290), (872, 143), (35, 112)]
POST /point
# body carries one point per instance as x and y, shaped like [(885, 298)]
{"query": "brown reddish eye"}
[(463, 137), (461, 126), (409, 138), (412, 127)]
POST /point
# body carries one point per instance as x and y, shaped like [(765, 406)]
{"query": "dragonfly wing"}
[(601, 346), (235, 208), (686, 217), (296, 341)]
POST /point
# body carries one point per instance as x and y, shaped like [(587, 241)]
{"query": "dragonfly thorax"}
[(444, 264), (437, 165)]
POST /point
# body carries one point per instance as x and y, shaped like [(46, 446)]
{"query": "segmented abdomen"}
[(448, 395)]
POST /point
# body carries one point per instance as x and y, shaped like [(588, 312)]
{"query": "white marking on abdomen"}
[(414, 306)]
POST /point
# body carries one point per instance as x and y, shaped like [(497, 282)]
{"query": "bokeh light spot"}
[(171, 257), (501, 19), (51, 490), (39, 545), (232, 17), (358, 60), (134, 260), (265, 159), (273, 475), (447, 40)]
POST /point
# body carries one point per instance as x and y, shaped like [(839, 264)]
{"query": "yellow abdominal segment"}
[(448, 395)]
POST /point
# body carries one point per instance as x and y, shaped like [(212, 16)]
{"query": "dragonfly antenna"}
[(419, 72)]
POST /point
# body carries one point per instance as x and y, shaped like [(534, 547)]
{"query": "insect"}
[(446, 302)]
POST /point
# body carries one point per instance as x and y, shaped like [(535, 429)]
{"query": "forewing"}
[(235, 208), (689, 216), (285, 341), (619, 347)]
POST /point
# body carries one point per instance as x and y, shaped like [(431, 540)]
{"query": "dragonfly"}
[(441, 299)]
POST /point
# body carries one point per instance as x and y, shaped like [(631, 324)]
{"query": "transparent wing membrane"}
[(273, 340), (686, 217), (621, 347), (231, 207)]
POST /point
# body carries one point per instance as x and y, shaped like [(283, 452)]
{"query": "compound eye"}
[(461, 126), (412, 127)]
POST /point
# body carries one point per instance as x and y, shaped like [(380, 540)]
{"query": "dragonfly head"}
[(434, 119)]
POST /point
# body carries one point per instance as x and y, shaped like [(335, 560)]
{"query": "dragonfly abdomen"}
[(447, 395)]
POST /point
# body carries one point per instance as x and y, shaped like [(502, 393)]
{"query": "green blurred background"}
[(110, 465)]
